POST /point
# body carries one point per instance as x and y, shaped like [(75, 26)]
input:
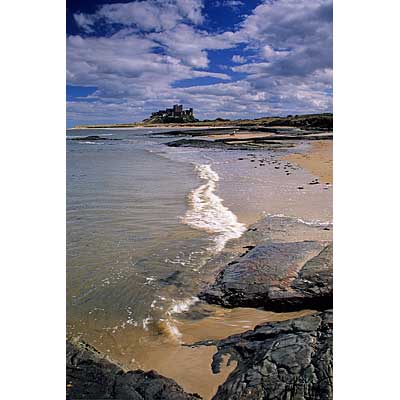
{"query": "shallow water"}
[(142, 220), (130, 259)]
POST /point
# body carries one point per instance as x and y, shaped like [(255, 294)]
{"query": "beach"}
[(318, 160), (159, 220)]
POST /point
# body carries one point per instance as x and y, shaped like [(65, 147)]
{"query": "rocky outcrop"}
[(227, 144), (277, 276), (91, 138), (289, 360), (279, 263), (91, 376)]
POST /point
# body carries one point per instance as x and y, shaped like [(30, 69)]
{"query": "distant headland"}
[(177, 116)]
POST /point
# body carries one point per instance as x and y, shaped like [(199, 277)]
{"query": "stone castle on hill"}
[(174, 114)]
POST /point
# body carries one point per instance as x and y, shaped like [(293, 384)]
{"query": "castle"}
[(174, 114)]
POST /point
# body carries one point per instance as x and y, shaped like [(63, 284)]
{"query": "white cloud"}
[(238, 59), (150, 15), (297, 34), (123, 68), (270, 53), (190, 44)]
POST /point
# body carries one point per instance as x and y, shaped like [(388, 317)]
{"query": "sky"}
[(224, 58)]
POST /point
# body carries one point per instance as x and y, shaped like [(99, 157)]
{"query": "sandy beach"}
[(318, 160)]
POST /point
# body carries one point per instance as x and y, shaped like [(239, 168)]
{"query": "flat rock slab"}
[(91, 376), (289, 360), (91, 138), (268, 229), (229, 145), (277, 276)]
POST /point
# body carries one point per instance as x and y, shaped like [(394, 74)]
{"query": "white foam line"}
[(208, 212), (312, 222)]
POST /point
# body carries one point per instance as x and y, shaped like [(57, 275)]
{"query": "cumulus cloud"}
[(282, 49), (150, 15), (190, 44), (125, 67), (297, 34)]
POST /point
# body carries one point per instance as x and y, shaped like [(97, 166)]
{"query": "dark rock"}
[(92, 138), (280, 360), (271, 229), (279, 138), (196, 143), (276, 276), (172, 279), (230, 144), (91, 376), (300, 187)]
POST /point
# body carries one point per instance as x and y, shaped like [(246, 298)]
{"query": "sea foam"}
[(180, 306), (208, 213)]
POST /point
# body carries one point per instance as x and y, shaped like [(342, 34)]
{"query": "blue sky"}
[(224, 58)]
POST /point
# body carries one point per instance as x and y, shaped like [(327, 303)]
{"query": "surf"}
[(207, 211)]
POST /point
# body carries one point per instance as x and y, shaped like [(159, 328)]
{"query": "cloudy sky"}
[(224, 58)]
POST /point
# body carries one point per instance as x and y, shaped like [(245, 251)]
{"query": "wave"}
[(208, 213)]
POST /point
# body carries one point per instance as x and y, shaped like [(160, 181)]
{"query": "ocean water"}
[(142, 220), (131, 258)]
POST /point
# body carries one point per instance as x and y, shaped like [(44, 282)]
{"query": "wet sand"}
[(261, 183), (318, 160)]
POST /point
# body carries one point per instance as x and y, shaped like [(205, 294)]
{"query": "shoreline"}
[(318, 160), (160, 126), (181, 362)]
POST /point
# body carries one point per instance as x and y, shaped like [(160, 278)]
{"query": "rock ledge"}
[(91, 376)]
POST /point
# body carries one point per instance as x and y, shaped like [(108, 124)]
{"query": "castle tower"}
[(178, 110)]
